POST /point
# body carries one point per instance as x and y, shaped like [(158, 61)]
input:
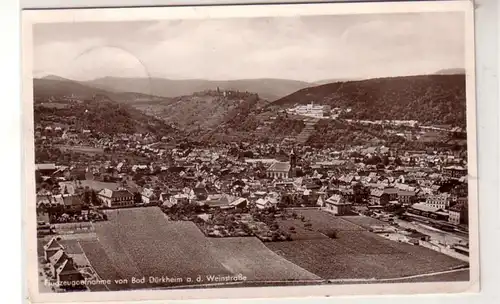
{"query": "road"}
[(448, 238), (395, 279)]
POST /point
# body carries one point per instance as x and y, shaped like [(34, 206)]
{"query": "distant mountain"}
[(451, 71), (269, 89), (53, 86), (430, 99), (57, 87), (54, 77)]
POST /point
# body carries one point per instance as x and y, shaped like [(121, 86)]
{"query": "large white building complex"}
[(311, 110)]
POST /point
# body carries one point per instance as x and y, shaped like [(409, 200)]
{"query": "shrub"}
[(332, 234)]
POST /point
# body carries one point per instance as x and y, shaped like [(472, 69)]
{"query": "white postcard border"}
[(31, 17)]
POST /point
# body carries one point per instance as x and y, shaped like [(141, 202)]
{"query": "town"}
[(277, 192)]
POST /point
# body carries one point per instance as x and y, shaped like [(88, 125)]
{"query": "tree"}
[(360, 193), (332, 234), (86, 198), (94, 198), (137, 198)]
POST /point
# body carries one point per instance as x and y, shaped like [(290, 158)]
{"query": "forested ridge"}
[(103, 117), (429, 99)]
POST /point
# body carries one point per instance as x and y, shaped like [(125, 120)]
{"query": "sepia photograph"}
[(226, 151)]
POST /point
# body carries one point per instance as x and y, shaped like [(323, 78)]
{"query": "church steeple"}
[(293, 159)]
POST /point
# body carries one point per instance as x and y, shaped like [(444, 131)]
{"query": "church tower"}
[(293, 163), (293, 159)]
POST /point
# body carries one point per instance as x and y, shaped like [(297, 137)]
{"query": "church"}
[(283, 170)]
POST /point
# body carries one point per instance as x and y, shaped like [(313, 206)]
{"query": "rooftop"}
[(45, 166), (279, 167), (424, 207), (115, 194)]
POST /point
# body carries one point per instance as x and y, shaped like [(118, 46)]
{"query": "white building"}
[(279, 170), (439, 201), (311, 110), (116, 198), (336, 204)]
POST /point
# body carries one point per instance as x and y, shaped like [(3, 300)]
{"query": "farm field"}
[(103, 266), (299, 232), (141, 242), (364, 221), (250, 257), (331, 259), (355, 253), (324, 221)]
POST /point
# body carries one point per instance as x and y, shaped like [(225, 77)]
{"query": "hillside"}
[(103, 116), (58, 87), (430, 99), (451, 71), (269, 89), (205, 110)]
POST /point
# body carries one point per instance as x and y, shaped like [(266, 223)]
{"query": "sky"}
[(310, 48)]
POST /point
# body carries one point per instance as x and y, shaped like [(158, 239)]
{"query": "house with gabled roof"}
[(56, 260), (150, 196), (70, 203), (199, 193), (51, 248), (266, 203), (337, 204), (392, 193), (67, 272), (378, 197), (116, 198)]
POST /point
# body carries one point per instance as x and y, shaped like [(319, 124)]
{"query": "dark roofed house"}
[(455, 171), (67, 272), (72, 203), (407, 197), (392, 193), (200, 193), (458, 214), (379, 197), (56, 260)]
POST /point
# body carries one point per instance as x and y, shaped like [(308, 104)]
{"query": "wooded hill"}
[(429, 99)]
